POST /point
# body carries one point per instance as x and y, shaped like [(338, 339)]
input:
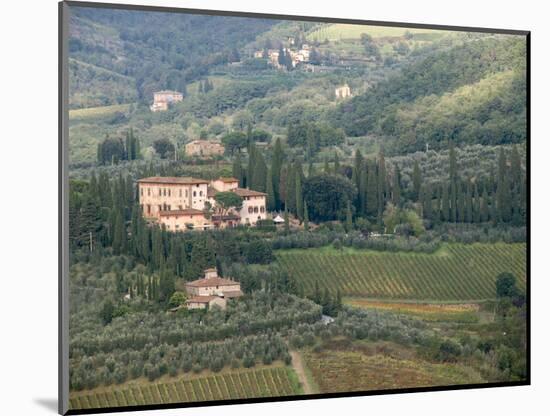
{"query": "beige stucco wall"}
[(179, 222), (257, 204), (176, 196)]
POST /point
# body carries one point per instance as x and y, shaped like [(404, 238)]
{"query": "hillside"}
[(474, 86), (153, 50)]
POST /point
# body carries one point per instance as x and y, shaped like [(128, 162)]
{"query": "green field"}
[(455, 272), (339, 31), (95, 113), (236, 384)]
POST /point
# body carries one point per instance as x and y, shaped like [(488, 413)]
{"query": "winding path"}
[(298, 366)]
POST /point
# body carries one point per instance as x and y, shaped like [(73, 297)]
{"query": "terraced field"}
[(264, 382), (456, 272), (342, 371)]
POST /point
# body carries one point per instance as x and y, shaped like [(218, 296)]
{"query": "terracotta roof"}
[(201, 299), (179, 212), (248, 192), (211, 269), (232, 294), (227, 180), (213, 281), (172, 180)]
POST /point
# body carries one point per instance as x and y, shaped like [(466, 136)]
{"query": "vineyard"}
[(265, 382), (342, 371), (455, 272)]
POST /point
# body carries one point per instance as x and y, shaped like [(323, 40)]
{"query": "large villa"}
[(181, 203), (211, 290)]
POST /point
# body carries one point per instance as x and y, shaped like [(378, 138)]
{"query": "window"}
[(148, 208), (194, 193), (186, 193), (200, 193), (160, 207), (262, 209), (250, 210), (255, 210), (180, 192), (160, 191), (169, 192), (148, 191)]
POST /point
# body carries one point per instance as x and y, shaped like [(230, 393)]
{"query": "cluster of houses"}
[(211, 290), (297, 56), (186, 203)]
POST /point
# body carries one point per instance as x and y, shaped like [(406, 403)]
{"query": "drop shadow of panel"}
[(49, 404)]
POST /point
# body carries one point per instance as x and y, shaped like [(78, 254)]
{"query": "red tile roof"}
[(247, 192), (172, 180), (227, 180), (213, 281)]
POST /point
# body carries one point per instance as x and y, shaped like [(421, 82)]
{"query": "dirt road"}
[(298, 366)]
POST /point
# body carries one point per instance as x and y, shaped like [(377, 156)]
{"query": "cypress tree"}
[(381, 184), (306, 217), (276, 165), (453, 202), (290, 202), (484, 209), (298, 188), (468, 209), (417, 181), (476, 209), (460, 204), (287, 221), (372, 191), (427, 202), (396, 187), (237, 170), (349, 218), (259, 178), (251, 165), (270, 191), (445, 205)]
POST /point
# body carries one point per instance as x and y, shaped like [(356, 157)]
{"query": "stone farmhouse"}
[(180, 203), (211, 290), (343, 92), (162, 99), (204, 148)]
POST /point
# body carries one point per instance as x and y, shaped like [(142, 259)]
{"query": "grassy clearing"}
[(97, 113), (457, 272), (341, 371), (273, 381), (339, 31)]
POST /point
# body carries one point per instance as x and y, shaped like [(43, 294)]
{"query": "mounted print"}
[(263, 208)]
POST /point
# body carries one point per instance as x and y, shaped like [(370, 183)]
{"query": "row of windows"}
[(168, 192), (254, 210)]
